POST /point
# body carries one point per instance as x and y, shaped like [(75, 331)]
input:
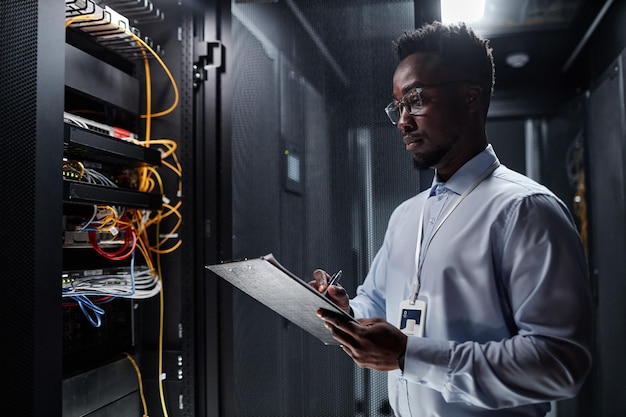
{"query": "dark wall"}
[(607, 185), (279, 115), (583, 159), (606, 188), (508, 141), (604, 44), (290, 101)]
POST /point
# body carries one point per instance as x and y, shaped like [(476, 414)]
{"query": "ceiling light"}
[(468, 11), (517, 59)]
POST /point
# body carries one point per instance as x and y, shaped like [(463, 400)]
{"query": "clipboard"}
[(268, 282)]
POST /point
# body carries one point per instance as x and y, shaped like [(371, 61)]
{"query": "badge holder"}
[(412, 317)]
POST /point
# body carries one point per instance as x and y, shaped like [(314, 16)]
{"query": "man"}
[(484, 273)]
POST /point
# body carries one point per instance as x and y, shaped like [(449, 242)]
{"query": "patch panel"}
[(102, 128)]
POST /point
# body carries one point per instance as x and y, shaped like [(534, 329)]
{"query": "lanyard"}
[(418, 266)]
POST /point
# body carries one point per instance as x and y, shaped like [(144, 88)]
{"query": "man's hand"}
[(336, 293), (372, 343)]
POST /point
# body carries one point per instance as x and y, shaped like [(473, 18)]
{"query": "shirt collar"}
[(468, 173)]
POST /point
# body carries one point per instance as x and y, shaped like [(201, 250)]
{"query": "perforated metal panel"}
[(292, 98), (18, 101), (31, 137)]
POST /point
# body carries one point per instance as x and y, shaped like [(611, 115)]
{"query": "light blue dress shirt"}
[(508, 316)]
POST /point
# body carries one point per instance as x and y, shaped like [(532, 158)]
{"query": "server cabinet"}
[(314, 179), (108, 90), (606, 153)]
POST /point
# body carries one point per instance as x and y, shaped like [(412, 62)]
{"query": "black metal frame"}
[(31, 122)]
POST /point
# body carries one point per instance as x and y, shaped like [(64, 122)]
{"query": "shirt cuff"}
[(426, 361)]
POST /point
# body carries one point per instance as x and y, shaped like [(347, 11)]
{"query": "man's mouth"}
[(412, 142)]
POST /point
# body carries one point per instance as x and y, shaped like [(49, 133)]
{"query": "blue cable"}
[(92, 312)]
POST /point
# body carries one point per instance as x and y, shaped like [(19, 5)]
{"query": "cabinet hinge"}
[(210, 55)]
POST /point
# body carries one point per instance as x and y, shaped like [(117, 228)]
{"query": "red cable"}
[(130, 239), (95, 301)]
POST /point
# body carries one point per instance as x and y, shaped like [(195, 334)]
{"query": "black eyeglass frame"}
[(394, 111)]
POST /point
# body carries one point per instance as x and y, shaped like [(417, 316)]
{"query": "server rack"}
[(71, 70)]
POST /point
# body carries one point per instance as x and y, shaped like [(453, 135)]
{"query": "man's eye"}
[(412, 99)]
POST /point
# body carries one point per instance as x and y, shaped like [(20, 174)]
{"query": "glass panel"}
[(317, 170)]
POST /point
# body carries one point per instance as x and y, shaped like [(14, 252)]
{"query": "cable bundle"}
[(143, 226), (138, 283)]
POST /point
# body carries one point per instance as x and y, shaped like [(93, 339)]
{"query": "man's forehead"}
[(420, 68)]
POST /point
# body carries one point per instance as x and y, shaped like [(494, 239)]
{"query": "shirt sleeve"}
[(371, 295), (544, 276)]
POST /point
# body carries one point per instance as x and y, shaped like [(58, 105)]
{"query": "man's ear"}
[(473, 97)]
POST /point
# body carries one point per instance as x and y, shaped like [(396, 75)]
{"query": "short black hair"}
[(459, 48)]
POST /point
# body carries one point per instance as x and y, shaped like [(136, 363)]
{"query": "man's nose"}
[(406, 121)]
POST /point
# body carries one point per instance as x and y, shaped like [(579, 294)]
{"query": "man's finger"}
[(321, 279), (336, 321)]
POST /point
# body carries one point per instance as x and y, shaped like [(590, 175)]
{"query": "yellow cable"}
[(158, 247), (139, 380), (148, 81), (161, 319), (170, 250), (135, 219), (170, 151), (172, 167), (148, 183), (161, 215), (82, 18), (109, 220), (143, 173), (580, 210), (141, 42), (143, 179), (145, 254), (167, 72)]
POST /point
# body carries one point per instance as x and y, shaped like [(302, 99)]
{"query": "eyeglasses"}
[(412, 101)]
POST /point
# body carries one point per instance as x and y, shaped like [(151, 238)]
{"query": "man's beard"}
[(431, 159)]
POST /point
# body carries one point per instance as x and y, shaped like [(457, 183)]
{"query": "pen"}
[(333, 280)]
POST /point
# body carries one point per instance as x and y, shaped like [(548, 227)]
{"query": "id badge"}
[(412, 317)]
